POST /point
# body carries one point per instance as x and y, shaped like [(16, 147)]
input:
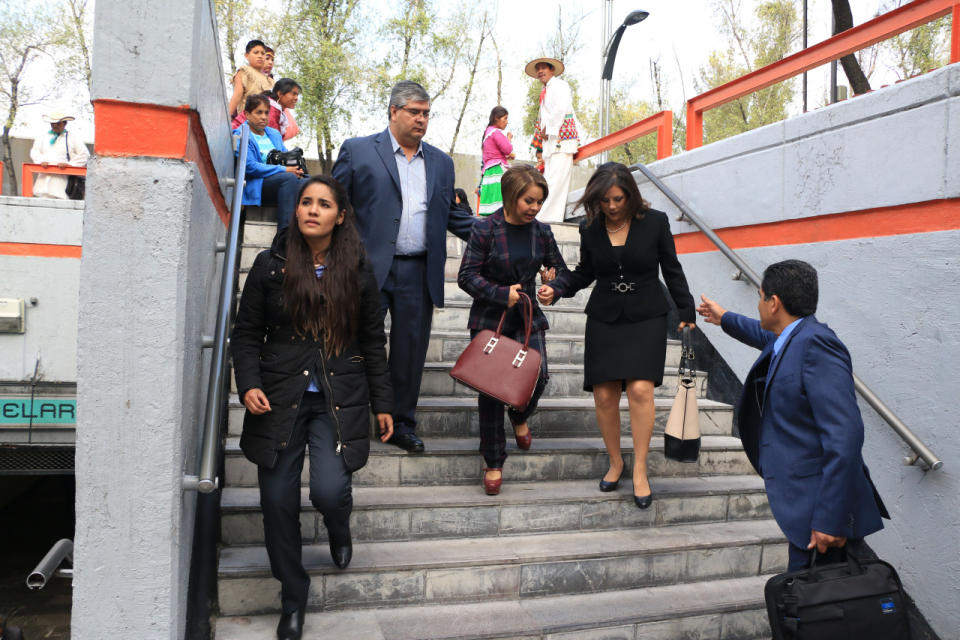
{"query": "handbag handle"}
[(527, 311), (686, 356)]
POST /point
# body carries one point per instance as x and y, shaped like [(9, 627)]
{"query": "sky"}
[(679, 33)]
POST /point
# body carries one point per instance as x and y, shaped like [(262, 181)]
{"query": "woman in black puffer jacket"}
[(310, 362)]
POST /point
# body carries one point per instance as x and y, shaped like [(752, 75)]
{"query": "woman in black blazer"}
[(623, 245), (309, 354)]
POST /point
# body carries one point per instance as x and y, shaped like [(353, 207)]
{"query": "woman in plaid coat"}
[(505, 252)]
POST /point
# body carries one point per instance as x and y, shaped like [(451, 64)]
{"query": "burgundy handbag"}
[(500, 367)]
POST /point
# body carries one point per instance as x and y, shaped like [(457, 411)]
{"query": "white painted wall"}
[(50, 324), (892, 300), (148, 283)]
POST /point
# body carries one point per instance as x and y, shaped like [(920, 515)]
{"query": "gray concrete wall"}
[(148, 283), (890, 299), (50, 324)]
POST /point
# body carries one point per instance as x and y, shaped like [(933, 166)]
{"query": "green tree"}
[(623, 113), (28, 33), (234, 21), (774, 38), (921, 49), (423, 47), (76, 38), (326, 61)]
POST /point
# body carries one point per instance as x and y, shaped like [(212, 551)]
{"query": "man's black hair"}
[(795, 283), (255, 43)]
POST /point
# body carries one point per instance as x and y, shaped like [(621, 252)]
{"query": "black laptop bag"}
[(861, 598)]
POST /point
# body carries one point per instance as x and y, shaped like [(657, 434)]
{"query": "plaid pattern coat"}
[(486, 272)]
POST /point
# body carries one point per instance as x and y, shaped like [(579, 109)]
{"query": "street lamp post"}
[(609, 57)]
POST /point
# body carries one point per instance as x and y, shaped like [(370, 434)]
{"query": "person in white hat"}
[(57, 148), (556, 136)]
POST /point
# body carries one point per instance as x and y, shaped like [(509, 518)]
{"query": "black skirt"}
[(624, 350)]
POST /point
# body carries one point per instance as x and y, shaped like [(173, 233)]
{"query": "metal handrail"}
[(207, 481), (61, 552), (921, 451)]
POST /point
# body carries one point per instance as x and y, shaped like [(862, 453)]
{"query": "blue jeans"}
[(281, 190)]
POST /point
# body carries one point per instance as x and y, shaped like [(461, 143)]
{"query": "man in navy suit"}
[(798, 417), (401, 189)]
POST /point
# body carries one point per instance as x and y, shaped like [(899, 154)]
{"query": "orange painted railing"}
[(29, 169), (661, 124), (880, 28)]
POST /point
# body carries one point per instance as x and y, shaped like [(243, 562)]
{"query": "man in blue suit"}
[(401, 189), (798, 417)]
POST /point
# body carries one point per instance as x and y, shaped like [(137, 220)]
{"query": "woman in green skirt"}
[(497, 152)]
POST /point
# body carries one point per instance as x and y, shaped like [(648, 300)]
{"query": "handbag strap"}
[(686, 356), (526, 309), (66, 141)]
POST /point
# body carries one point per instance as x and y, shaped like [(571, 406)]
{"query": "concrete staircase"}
[(551, 556)]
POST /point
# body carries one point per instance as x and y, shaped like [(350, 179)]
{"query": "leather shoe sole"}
[(407, 441)]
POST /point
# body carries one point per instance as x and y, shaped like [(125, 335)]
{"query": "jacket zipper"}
[(333, 409)]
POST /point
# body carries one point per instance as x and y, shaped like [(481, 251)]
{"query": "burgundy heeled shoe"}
[(491, 487), (524, 442)]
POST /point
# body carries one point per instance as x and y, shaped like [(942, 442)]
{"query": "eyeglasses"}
[(416, 113)]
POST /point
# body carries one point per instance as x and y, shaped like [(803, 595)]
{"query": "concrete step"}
[(411, 513), (717, 610), (455, 461), (455, 416), (426, 572)]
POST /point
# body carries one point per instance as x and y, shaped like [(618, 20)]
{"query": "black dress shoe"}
[(643, 501), (407, 441), (341, 552), (291, 625)]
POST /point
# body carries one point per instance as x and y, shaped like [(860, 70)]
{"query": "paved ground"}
[(34, 513)]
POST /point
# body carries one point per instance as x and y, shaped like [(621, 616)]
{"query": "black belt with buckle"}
[(623, 287)]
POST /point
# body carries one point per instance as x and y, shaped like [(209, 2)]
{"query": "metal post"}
[(804, 46), (833, 64), (607, 30)]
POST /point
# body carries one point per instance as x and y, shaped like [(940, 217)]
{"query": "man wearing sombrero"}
[(556, 137), (56, 147)]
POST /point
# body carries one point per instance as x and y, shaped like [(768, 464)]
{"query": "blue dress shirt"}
[(778, 343), (412, 236)]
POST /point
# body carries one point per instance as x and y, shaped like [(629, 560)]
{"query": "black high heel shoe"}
[(643, 502), (606, 487)]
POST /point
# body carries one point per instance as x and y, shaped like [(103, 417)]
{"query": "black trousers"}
[(330, 493), (406, 297)]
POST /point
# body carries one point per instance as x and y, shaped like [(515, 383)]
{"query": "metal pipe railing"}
[(921, 451), (48, 567), (207, 480)]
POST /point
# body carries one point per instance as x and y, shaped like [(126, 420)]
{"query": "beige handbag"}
[(681, 438)]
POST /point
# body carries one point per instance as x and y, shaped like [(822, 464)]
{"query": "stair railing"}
[(207, 480), (744, 272)]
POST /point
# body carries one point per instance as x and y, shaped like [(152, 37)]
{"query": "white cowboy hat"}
[(58, 116), (531, 70)]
